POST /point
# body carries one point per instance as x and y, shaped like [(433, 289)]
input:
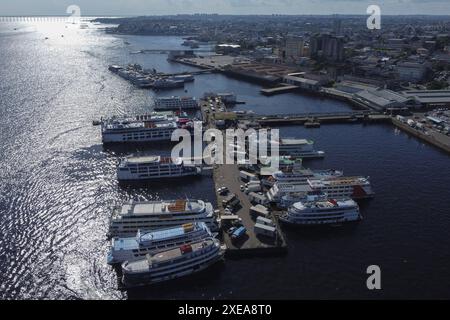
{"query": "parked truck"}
[(238, 233)]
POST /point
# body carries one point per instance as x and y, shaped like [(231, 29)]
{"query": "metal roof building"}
[(381, 99), (430, 98)]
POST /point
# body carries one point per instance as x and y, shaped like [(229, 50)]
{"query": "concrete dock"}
[(251, 244), (227, 175), (438, 140)]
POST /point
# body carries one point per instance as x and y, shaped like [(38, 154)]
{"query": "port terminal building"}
[(430, 98)]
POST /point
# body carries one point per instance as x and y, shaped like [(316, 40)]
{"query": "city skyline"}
[(242, 7)]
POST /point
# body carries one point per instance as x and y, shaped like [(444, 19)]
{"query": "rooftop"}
[(161, 207), (144, 264), (292, 141), (429, 96), (338, 181)]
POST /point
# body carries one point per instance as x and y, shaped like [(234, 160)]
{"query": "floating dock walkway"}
[(279, 90)]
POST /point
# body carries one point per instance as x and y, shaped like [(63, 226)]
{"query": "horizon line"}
[(224, 14)]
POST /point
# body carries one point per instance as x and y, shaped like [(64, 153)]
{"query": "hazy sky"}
[(157, 7)]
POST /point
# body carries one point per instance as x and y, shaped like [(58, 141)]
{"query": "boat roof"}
[(338, 181), (265, 227), (174, 253), (175, 98), (161, 207), (151, 159), (292, 141), (144, 159), (323, 204), (168, 255), (302, 172), (292, 187), (163, 123), (130, 243), (170, 233)]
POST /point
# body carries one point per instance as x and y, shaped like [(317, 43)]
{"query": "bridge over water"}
[(333, 117)]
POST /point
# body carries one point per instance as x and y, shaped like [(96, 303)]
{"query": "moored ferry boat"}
[(137, 131), (160, 116), (128, 219), (176, 103), (336, 188), (301, 176), (183, 77), (172, 264), (141, 168), (291, 198), (344, 187), (150, 242), (226, 97), (322, 212), (302, 148), (167, 84)]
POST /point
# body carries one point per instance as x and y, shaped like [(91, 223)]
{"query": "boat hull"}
[(145, 279), (325, 223)]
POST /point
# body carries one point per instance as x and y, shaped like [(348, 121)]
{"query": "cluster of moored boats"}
[(150, 78), (155, 241), (311, 197), (153, 127)]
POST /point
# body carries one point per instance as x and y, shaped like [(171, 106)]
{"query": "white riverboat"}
[(150, 242), (172, 264), (176, 103), (137, 131), (356, 188), (128, 219), (322, 212), (302, 148), (144, 168)]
